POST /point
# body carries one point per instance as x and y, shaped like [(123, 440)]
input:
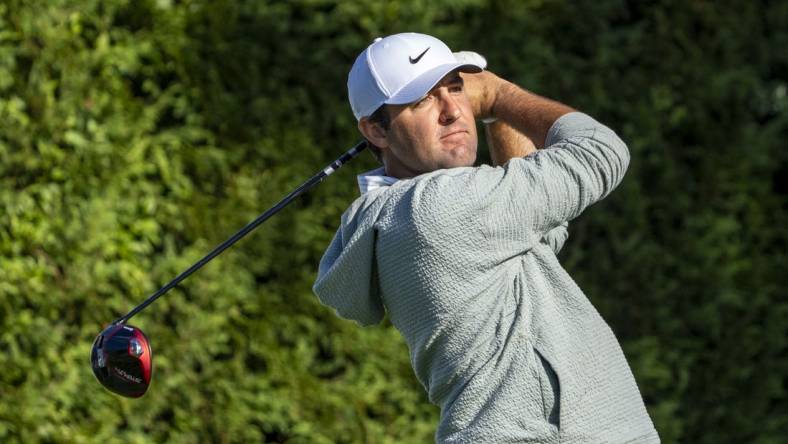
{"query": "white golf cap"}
[(400, 69)]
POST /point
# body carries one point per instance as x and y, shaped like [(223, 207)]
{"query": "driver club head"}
[(122, 361)]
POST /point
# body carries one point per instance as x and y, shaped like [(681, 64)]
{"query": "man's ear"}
[(373, 132)]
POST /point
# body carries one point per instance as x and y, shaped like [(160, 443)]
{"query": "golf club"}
[(121, 355)]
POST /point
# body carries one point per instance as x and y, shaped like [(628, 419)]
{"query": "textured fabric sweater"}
[(463, 261)]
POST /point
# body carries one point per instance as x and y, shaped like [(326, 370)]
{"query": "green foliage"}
[(138, 135)]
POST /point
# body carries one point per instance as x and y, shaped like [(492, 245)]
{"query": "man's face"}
[(436, 132)]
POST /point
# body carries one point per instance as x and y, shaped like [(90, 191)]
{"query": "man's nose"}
[(450, 111)]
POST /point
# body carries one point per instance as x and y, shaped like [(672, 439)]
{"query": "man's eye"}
[(456, 88)]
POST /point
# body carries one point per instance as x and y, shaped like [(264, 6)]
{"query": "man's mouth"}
[(454, 133)]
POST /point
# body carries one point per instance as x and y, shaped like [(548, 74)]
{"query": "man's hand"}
[(531, 114), (482, 90), (504, 141)]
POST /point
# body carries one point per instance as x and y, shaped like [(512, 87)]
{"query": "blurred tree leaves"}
[(138, 135)]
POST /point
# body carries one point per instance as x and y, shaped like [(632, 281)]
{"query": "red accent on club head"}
[(146, 358)]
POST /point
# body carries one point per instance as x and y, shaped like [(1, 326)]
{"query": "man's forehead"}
[(449, 79)]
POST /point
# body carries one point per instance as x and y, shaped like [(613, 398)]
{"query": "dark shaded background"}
[(136, 135)]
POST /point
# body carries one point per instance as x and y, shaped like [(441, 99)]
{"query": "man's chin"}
[(460, 156)]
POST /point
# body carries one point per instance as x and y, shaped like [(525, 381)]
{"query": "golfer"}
[(463, 258)]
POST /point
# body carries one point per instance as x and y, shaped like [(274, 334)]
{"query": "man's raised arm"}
[(584, 162), (506, 142), (529, 113)]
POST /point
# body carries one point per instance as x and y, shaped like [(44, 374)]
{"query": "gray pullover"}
[(463, 260)]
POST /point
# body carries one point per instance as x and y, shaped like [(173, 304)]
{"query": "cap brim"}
[(420, 86)]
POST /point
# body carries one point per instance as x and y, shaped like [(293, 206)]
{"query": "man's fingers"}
[(481, 88)]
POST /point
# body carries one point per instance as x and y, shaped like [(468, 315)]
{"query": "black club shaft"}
[(311, 182)]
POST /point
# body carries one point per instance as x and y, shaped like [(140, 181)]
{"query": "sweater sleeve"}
[(556, 238), (509, 209), (347, 279), (583, 162)]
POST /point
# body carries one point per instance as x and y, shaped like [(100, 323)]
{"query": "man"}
[(462, 258)]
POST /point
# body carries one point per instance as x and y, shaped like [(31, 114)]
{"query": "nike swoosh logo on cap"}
[(416, 60)]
